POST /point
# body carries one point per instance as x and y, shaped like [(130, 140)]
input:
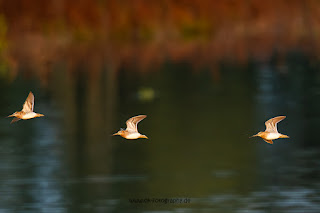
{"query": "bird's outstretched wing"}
[(15, 120), (28, 104), (133, 122), (268, 141), (271, 124)]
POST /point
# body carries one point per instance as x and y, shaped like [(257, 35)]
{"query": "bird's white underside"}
[(272, 136), (133, 136), (29, 115)]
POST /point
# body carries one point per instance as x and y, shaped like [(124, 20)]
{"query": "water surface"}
[(198, 148)]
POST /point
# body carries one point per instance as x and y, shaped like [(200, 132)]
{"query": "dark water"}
[(198, 150)]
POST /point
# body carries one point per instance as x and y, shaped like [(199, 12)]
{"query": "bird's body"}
[(27, 110), (271, 132), (132, 135), (272, 136), (131, 132), (29, 115)]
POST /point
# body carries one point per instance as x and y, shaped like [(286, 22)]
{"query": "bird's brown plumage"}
[(271, 131), (27, 110), (29, 103), (271, 124), (131, 132)]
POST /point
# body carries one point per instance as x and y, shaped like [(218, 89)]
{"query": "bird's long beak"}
[(116, 133), (143, 136), (40, 115), (11, 115), (256, 135)]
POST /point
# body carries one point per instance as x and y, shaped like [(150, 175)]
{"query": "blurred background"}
[(207, 73)]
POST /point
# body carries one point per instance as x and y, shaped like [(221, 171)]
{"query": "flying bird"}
[(271, 132), (27, 110), (131, 132)]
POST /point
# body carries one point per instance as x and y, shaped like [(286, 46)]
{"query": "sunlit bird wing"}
[(133, 122), (271, 124), (28, 104)]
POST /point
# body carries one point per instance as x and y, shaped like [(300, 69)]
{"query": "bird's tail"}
[(284, 136)]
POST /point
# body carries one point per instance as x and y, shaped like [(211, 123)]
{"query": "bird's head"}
[(259, 134), (120, 132), (14, 114)]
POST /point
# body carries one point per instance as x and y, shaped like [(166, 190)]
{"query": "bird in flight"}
[(271, 132), (131, 132), (27, 110)]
